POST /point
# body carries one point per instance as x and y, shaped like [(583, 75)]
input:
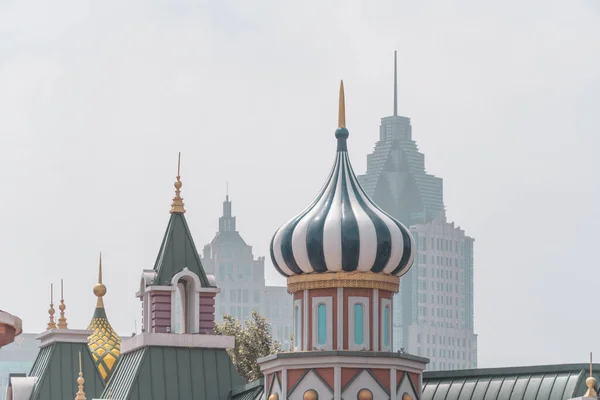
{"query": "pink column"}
[(161, 310), (207, 313)]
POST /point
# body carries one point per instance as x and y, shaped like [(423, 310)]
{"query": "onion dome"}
[(104, 343), (343, 229)]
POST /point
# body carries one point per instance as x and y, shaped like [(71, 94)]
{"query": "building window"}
[(322, 320), (386, 326), (322, 324), (358, 323), (298, 324)]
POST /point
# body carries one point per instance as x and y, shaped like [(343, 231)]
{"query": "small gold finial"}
[(51, 311), (99, 288), (62, 321), (177, 205), (342, 108), (590, 383), (80, 395)]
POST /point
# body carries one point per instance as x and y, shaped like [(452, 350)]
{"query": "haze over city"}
[(96, 101)]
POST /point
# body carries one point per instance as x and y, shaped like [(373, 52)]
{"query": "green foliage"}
[(253, 340)]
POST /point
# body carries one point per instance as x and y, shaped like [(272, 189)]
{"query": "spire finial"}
[(62, 321), (227, 191), (590, 383), (177, 205), (395, 84), (342, 108), (99, 288), (51, 311), (80, 395), (341, 132)]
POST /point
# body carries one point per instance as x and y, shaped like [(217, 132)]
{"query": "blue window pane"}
[(358, 323), (322, 324), (386, 326), (297, 329)]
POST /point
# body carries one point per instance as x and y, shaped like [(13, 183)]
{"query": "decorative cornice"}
[(147, 339), (367, 280)]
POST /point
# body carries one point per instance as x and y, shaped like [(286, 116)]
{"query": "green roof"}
[(57, 369), (250, 391), (546, 382), (173, 373), (177, 252)]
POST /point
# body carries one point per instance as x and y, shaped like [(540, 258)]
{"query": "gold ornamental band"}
[(367, 280)]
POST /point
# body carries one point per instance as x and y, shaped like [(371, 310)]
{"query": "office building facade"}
[(241, 278), (396, 179)]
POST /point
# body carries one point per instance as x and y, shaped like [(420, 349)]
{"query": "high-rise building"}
[(433, 313), (241, 278)]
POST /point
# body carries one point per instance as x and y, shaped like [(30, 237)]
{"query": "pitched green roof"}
[(250, 391), (57, 369), (546, 382), (177, 252), (173, 373)]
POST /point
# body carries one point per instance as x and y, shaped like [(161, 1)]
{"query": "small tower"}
[(104, 343), (177, 294), (343, 258)]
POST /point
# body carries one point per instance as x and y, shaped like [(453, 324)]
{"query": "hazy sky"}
[(97, 98)]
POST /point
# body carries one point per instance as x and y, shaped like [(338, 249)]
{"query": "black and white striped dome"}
[(343, 229)]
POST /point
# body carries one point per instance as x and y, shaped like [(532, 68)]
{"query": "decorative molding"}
[(176, 340), (305, 321), (393, 389), (343, 359), (340, 318), (63, 336), (337, 383), (283, 383), (367, 280), (376, 319), (366, 345)]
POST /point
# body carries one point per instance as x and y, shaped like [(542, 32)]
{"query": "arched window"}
[(181, 307), (386, 326), (321, 324), (359, 310)]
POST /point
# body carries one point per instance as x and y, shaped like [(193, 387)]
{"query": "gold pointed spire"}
[(80, 395), (177, 205), (342, 108), (590, 383), (62, 321), (51, 311), (99, 288)]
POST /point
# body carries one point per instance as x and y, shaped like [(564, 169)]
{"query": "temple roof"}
[(177, 252), (104, 343), (159, 373), (545, 382), (56, 368)]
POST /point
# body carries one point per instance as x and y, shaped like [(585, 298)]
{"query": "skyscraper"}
[(433, 313), (241, 278)]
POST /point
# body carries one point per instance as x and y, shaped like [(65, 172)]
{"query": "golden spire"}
[(80, 395), (590, 383), (62, 321), (177, 205), (99, 288), (51, 323), (342, 109)]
